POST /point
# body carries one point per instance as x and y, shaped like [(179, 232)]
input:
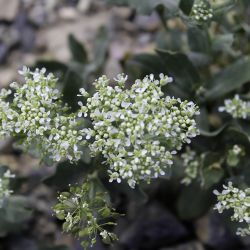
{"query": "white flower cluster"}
[(191, 163), (37, 116), (236, 107), (5, 192), (137, 130), (237, 200), (202, 12)]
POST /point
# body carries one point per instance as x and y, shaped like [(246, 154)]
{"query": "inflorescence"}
[(191, 164), (138, 129), (239, 201), (236, 107), (201, 11), (5, 191), (37, 117), (86, 215)]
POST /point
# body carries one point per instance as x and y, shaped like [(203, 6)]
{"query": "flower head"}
[(201, 11), (239, 201), (38, 117), (139, 129), (236, 107)]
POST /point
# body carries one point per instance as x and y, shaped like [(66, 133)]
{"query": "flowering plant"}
[(128, 129), (131, 133)]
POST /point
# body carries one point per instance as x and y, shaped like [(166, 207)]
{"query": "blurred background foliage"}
[(209, 61)]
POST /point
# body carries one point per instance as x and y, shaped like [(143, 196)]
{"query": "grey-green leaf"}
[(229, 79)]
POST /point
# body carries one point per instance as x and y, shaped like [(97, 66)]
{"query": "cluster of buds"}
[(5, 191), (138, 129), (234, 155), (201, 11), (191, 164), (85, 215), (236, 107), (239, 201), (37, 117)]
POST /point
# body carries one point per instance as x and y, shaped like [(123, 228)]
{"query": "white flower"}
[(127, 123), (37, 112), (237, 200), (236, 107), (201, 12)]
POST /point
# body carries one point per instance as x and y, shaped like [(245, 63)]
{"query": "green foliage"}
[(86, 214), (206, 53), (14, 214), (229, 79)]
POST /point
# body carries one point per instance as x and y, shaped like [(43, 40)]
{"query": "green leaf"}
[(67, 173), (212, 176), (198, 40), (193, 202), (83, 233), (56, 67), (77, 49), (141, 65), (186, 6), (223, 42), (71, 84), (234, 135), (202, 119), (100, 49), (181, 69), (14, 214), (229, 79), (211, 170)]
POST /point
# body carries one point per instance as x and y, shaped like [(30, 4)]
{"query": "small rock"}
[(68, 13), (37, 15), (8, 9), (154, 227), (26, 32), (193, 245), (84, 5), (3, 52), (9, 35), (8, 75), (212, 231), (148, 23), (121, 12), (17, 242)]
